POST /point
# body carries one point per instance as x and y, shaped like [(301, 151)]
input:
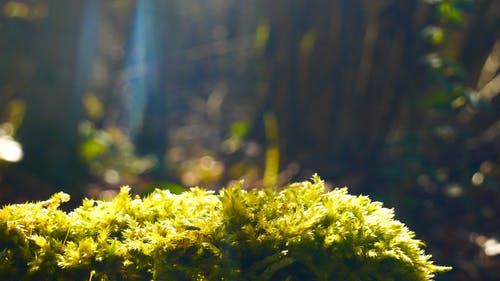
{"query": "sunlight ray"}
[(139, 75)]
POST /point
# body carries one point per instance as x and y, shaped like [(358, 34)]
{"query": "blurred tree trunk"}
[(346, 64), (49, 133)]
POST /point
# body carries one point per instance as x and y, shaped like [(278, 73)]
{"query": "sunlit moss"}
[(299, 232)]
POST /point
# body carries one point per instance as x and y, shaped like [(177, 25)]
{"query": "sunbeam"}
[(139, 75)]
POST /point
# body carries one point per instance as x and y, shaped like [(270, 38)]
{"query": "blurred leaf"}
[(434, 60), (271, 127), (271, 170), (449, 12), (272, 166), (454, 70), (93, 106), (92, 148), (434, 35), (445, 132), (239, 129), (307, 42), (458, 102), (110, 154), (261, 37), (15, 112), (15, 9), (436, 99)]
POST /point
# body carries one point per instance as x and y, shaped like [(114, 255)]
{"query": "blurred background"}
[(397, 99)]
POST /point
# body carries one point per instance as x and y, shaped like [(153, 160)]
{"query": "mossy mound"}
[(299, 232)]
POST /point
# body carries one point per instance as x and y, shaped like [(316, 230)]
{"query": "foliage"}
[(299, 232), (455, 112), (446, 72), (446, 147), (110, 154)]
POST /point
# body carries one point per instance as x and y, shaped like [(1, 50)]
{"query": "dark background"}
[(397, 99)]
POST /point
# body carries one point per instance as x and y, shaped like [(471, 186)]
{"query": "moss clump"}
[(300, 232)]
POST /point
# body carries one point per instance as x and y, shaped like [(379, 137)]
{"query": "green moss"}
[(299, 232)]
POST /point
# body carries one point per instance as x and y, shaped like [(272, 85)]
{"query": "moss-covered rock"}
[(300, 232)]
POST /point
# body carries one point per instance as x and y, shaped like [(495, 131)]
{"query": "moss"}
[(300, 232)]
